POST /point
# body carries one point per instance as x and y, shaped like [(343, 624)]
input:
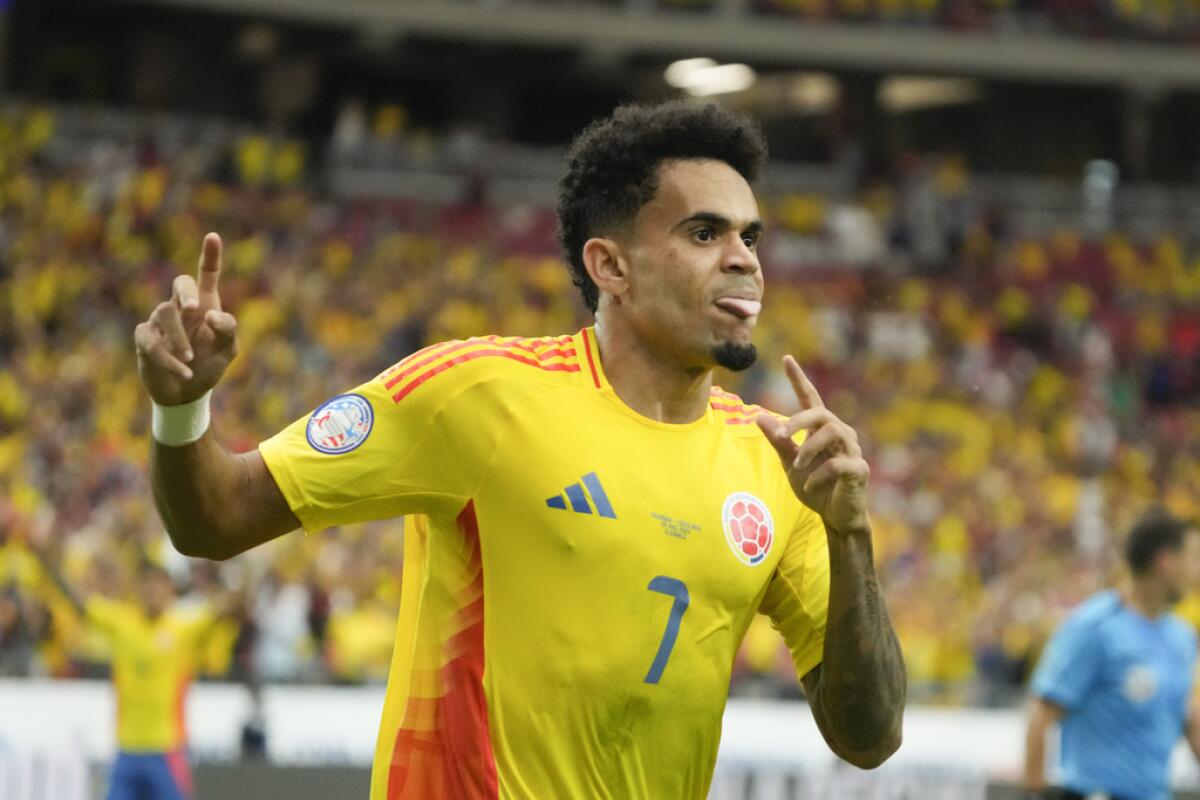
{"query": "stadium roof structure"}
[(729, 30)]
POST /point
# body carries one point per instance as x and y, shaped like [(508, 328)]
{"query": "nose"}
[(738, 258)]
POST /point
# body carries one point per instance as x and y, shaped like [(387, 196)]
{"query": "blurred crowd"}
[(1163, 20), (1154, 20), (1021, 399)]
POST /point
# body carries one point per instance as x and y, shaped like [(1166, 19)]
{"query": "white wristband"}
[(183, 424)]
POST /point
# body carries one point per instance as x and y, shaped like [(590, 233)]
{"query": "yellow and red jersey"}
[(152, 664), (577, 577)]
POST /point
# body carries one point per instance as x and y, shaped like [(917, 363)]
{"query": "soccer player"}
[(1117, 677), (153, 650), (595, 524)]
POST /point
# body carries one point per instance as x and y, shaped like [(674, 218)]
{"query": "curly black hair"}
[(612, 167)]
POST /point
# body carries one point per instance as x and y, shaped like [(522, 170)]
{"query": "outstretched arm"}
[(858, 692), (1042, 716), (213, 503), (56, 578)]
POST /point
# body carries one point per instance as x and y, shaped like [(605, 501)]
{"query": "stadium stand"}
[(1168, 21)]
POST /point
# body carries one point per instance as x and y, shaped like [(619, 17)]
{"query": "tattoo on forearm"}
[(874, 607), (863, 683)]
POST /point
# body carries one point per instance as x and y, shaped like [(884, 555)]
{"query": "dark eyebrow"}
[(755, 227)]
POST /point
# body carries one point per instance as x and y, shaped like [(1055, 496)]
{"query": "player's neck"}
[(1147, 597), (649, 383)]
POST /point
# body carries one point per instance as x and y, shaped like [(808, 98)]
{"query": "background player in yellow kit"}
[(595, 523), (154, 647)]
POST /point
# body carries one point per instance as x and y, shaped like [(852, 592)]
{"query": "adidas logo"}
[(579, 499)]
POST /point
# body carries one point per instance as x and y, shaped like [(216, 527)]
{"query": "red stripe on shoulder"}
[(497, 350), (536, 347), (408, 360), (587, 348), (736, 411), (730, 407), (740, 415), (421, 358)]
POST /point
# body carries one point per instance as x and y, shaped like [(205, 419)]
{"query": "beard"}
[(735, 357)]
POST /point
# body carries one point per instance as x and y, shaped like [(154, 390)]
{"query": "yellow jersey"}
[(577, 577), (152, 662)]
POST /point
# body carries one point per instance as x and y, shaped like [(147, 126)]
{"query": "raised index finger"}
[(806, 393), (210, 270)]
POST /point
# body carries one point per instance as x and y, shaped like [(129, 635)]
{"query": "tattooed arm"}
[(857, 693)]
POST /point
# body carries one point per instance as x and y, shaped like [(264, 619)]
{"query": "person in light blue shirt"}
[(1117, 677)]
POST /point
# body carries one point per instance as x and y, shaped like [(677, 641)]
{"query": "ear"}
[(607, 266)]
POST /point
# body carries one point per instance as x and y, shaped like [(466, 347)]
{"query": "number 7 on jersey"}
[(675, 588)]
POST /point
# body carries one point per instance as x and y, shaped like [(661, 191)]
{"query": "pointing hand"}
[(187, 343)]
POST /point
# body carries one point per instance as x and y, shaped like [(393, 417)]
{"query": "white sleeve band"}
[(183, 424)]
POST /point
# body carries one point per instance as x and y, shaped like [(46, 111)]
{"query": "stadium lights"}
[(902, 94), (702, 77), (813, 92)]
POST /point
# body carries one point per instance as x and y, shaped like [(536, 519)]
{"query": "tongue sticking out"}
[(742, 308)]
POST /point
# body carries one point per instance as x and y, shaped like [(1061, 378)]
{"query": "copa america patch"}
[(748, 526), (341, 424)]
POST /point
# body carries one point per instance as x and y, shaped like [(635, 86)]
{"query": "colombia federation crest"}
[(748, 526)]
